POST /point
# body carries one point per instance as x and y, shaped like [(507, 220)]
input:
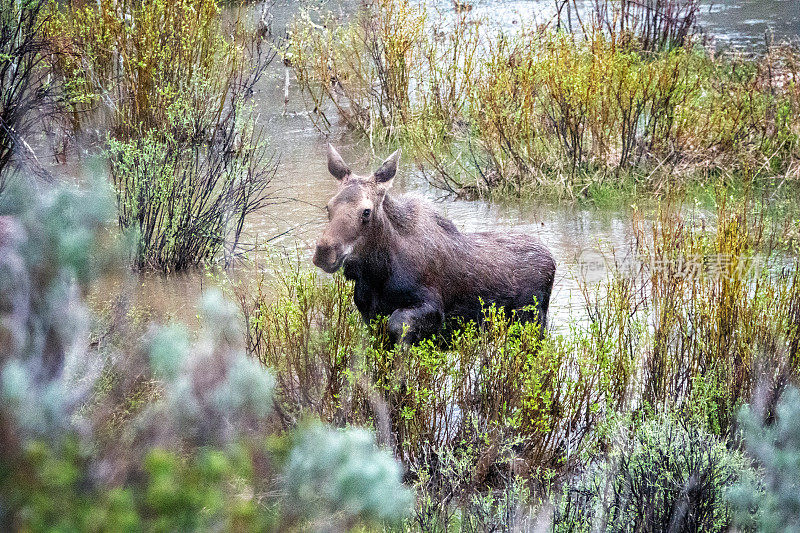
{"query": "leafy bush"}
[(663, 477), (321, 484), (488, 386), (137, 61), (546, 111), (308, 333), (448, 498), (170, 89), (770, 504), (47, 245), (187, 203)]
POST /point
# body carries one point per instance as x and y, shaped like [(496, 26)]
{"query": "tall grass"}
[(631, 95), (653, 24), (722, 311), (659, 476), (487, 389), (365, 69), (703, 310), (707, 309)]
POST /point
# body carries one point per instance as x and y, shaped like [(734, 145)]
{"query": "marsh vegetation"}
[(550, 112), (660, 398)]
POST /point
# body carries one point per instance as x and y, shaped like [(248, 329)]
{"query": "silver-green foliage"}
[(46, 255), (332, 470), (772, 503), (213, 390), (662, 476), (192, 458)]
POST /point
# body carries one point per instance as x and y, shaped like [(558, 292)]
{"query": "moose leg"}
[(412, 324)]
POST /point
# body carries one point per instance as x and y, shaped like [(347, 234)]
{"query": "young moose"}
[(415, 267)]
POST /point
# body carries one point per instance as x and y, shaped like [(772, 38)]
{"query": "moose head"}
[(355, 212)]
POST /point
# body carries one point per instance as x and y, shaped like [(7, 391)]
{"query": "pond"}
[(580, 237)]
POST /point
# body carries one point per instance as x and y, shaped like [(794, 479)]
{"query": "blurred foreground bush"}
[(771, 504), (194, 454)]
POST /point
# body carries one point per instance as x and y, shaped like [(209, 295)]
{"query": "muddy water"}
[(738, 23), (302, 186)]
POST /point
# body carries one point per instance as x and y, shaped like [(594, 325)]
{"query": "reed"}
[(709, 313), (653, 24), (363, 71)]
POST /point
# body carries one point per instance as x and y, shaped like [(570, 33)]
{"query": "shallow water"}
[(580, 238), (738, 23)]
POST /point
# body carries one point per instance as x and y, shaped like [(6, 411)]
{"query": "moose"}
[(415, 267)]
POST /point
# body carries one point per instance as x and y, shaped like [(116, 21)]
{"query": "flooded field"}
[(581, 238)]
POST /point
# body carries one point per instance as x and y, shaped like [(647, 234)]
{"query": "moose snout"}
[(326, 257)]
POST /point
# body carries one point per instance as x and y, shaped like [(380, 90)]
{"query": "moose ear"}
[(388, 169), (336, 165)]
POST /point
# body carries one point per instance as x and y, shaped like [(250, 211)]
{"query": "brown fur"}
[(414, 266)]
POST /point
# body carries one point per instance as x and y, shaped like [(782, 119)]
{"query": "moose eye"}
[(365, 214)]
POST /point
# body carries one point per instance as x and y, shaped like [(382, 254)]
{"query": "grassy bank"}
[(548, 112)]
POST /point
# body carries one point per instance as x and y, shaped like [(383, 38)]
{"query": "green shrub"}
[(449, 499), (322, 484), (186, 203), (488, 385), (662, 477), (169, 89), (131, 63), (47, 253), (544, 111)]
